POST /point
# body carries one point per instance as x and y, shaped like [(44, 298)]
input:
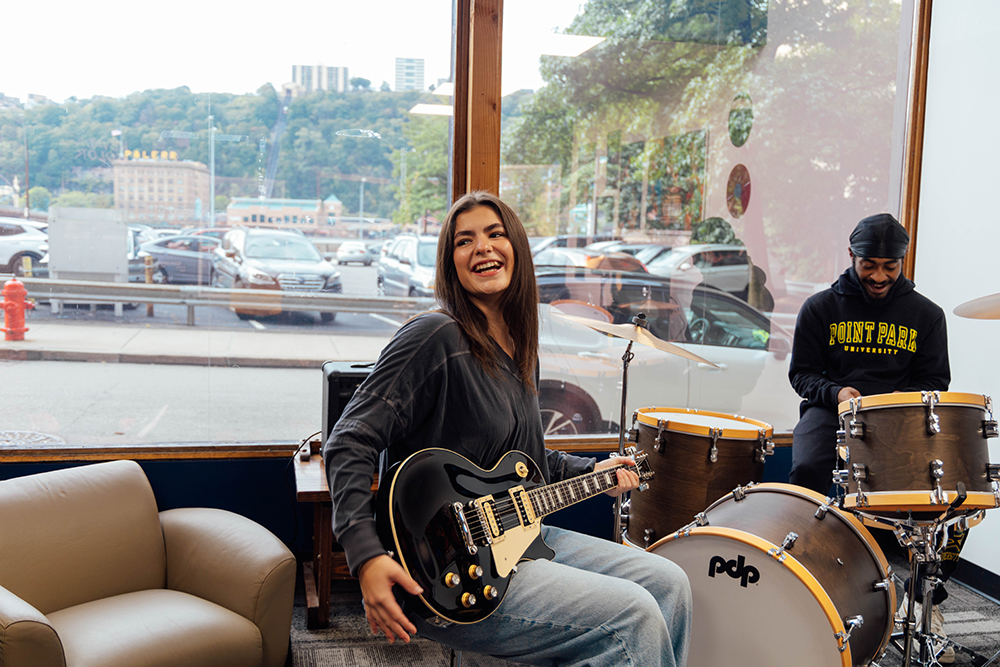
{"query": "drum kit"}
[(769, 560)]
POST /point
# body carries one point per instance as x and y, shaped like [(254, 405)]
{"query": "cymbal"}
[(983, 308), (636, 334)]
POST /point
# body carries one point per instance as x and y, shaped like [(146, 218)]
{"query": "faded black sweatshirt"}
[(845, 339), (428, 390)]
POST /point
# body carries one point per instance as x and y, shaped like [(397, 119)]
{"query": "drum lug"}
[(633, 435), (739, 493), (713, 452), (993, 472), (766, 446), (778, 553), (857, 429), (932, 398), (700, 519), (841, 436), (851, 622), (648, 536), (859, 471), (990, 429)]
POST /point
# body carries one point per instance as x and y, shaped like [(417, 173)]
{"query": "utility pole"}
[(361, 214), (27, 184), (211, 169)]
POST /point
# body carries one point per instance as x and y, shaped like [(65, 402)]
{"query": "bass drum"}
[(779, 578)]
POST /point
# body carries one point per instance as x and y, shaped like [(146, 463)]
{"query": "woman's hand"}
[(377, 577), (628, 480)]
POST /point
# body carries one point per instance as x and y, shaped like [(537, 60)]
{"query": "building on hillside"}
[(156, 186), (313, 216), (409, 74), (310, 78)]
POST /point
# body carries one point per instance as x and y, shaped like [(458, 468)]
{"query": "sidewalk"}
[(201, 347)]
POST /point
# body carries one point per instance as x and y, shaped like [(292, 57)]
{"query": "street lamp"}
[(361, 214)]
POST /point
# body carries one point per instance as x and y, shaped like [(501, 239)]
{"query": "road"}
[(137, 403)]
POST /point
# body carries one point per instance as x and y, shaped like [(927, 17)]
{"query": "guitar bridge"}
[(463, 528)]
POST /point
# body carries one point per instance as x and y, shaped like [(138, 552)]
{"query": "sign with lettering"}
[(151, 155)]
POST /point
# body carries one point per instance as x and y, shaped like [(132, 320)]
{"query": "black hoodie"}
[(845, 339)]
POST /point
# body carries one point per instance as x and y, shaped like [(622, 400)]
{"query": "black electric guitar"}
[(460, 531)]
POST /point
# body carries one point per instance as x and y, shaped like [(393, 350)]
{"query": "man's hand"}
[(847, 393), (377, 577), (628, 480)]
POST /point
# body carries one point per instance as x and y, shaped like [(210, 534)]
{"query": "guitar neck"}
[(554, 497)]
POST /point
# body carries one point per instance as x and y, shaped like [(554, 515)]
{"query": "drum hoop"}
[(790, 562), (852, 521), (678, 426), (909, 399), (902, 500)]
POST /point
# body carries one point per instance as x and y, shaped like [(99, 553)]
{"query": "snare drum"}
[(697, 457), (780, 578), (908, 451)]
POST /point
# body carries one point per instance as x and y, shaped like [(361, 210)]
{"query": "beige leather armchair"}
[(92, 575)]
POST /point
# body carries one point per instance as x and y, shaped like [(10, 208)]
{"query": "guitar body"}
[(416, 520)]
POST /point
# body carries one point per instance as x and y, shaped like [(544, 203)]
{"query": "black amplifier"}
[(340, 379)]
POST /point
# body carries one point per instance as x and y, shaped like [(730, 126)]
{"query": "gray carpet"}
[(970, 619)]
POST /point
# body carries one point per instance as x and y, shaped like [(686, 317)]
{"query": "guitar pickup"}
[(525, 510), (488, 518)]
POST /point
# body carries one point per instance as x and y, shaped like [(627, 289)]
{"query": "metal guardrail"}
[(194, 296)]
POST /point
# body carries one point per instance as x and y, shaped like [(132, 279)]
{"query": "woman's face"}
[(483, 255)]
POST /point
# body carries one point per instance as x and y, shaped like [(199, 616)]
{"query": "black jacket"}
[(428, 390), (843, 338)]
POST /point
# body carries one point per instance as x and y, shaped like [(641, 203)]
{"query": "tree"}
[(425, 188), (358, 83), (40, 197)]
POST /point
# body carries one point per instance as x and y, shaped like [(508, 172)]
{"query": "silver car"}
[(353, 251)]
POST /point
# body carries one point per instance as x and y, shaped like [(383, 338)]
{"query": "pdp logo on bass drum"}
[(737, 569)]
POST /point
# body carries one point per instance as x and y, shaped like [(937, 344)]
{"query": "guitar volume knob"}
[(490, 593), (468, 600), (451, 580), (475, 571)]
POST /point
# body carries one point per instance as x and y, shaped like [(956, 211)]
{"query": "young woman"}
[(464, 377)]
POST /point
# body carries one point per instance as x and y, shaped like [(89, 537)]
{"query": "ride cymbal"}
[(983, 308), (636, 334)]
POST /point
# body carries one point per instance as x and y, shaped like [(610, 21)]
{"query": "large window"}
[(698, 162)]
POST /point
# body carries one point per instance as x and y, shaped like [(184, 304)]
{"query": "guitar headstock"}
[(642, 467)]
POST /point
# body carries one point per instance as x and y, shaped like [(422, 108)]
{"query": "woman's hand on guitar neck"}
[(377, 577), (628, 479)]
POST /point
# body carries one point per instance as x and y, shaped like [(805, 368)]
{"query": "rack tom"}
[(697, 457), (908, 451)]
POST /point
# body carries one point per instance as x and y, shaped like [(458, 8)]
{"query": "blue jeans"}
[(597, 604)]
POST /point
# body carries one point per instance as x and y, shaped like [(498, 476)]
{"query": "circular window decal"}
[(738, 191), (740, 119)]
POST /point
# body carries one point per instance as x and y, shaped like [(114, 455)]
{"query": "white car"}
[(20, 239), (353, 251), (581, 368), (724, 267)]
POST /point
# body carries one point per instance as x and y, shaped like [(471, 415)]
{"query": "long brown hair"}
[(519, 303)]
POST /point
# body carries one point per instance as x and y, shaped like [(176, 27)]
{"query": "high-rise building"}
[(409, 74), (311, 78)]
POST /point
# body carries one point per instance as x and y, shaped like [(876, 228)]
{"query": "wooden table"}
[(327, 564)]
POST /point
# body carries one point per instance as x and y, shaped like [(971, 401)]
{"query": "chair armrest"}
[(236, 563), (26, 637)]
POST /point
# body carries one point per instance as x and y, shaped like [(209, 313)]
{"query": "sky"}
[(114, 48)]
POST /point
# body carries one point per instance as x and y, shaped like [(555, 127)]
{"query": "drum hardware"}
[(931, 398), (850, 623), (821, 511), (661, 425), (648, 536), (778, 553), (713, 451), (990, 429), (841, 436), (857, 427), (993, 472), (738, 494), (766, 446)]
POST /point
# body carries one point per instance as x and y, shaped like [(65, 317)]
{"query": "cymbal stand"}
[(640, 321), (925, 540)]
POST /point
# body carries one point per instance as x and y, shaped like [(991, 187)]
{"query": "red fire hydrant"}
[(13, 309)]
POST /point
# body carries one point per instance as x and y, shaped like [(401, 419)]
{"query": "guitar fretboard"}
[(554, 497)]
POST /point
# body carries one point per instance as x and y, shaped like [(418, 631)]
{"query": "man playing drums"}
[(868, 333)]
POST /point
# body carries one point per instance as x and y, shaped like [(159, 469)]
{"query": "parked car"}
[(725, 267), (184, 259), (407, 269), (616, 261), (272, 260), (568, 241), (581, 369), (217, 232), (20, 239), (353, 251)]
